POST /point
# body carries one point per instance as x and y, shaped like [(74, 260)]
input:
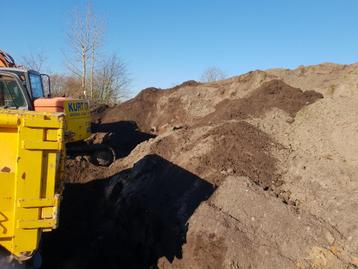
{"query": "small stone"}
[(285, 196), (355, 261), (329, 238), (177, 127), (290, 120)]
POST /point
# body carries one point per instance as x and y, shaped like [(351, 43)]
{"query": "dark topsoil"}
[(139, 215), (271, 94)]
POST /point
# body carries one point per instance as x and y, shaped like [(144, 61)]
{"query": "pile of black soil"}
[(128, 221), (124, 136)]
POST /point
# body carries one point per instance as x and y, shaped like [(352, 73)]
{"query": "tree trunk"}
[(92, 70), (84, 71)]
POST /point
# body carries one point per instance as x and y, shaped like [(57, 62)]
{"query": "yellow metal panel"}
[(37, 203), (33, 144), (6, 204), (31, 167), (36, 224), (44, 121), (8, 121), (8, 138), (51, 135), (78, 120)]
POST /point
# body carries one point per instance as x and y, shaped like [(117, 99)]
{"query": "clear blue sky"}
[(166, 42)]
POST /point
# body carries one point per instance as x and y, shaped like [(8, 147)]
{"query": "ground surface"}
[(257, 171)]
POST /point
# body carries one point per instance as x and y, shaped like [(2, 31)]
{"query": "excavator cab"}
[(31, 80), (11, 93), (23, 89), (32, 83)]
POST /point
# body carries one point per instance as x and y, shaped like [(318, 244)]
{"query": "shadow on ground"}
[(127, 221), (124, 136)]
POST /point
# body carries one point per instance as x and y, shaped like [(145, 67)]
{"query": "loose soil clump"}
[(242, 149)]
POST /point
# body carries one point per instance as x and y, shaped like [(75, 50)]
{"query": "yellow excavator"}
[(37, 134)]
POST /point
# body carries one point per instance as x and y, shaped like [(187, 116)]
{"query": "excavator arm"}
[(6, 60)]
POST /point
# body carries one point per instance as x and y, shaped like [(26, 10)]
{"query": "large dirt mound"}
[(234, 174), (232, 140)]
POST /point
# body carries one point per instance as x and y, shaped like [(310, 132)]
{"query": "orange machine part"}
[(55, 104), (6, 60)]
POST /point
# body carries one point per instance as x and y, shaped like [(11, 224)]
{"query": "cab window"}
[(36, 86), (11, 95)]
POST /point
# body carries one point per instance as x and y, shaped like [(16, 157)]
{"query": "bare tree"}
[(63, 85), (97, 38), (112, 80), (34, 61), (212, 74), (84, 38), (58, 84), (101, 79)]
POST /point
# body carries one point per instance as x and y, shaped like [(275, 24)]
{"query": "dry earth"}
[(256, 171)]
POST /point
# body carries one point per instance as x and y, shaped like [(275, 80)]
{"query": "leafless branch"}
[(212, 74), (34, 61)]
